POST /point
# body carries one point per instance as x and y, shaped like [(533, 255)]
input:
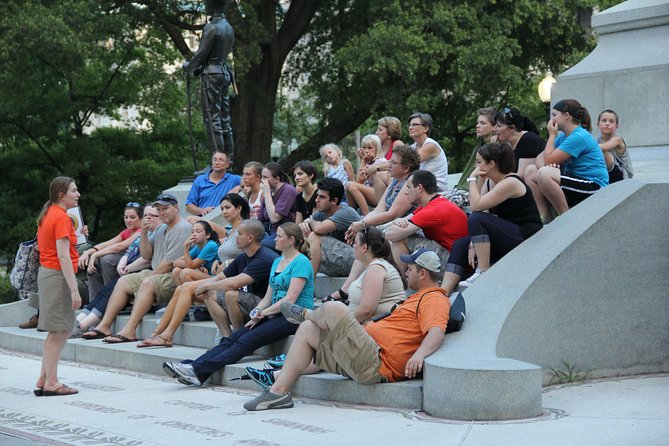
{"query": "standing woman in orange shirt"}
[(56, 282)]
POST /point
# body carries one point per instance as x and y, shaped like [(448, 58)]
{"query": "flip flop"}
[(97, 334), (39, 391), (61, 391), (120, 339), (167, 343)]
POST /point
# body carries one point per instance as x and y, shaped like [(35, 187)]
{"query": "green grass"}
[(568, 373)]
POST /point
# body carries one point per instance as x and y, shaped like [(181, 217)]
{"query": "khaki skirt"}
[(55, 301)]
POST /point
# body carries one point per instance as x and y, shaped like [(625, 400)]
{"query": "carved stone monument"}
[(628, 71)]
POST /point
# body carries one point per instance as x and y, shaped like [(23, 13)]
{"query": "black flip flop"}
[(61, 391), (121, 339), (98, 335)]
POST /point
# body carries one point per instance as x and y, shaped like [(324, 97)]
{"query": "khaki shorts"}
[(349, 351), (163, 285), (247, 302), (415, 242), (336, 257)]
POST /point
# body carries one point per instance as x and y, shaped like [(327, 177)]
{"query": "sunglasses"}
[(133, 204)]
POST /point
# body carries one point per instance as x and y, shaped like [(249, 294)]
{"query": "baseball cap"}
[(424, 258), (166, 200)]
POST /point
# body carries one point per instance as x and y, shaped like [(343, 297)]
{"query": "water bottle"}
[(191, 314), (217, 336), (159, 315)]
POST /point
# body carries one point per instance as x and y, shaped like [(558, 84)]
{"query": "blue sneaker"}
[(264, 378), (277, 361)]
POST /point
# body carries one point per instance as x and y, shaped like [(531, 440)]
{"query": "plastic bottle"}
[(159, 315)]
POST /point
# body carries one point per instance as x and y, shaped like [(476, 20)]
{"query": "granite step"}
[(322, 386)]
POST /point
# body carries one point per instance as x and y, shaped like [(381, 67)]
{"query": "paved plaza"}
[(117, 407), (125, 408)]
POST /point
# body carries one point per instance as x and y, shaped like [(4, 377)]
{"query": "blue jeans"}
[(241, 343)]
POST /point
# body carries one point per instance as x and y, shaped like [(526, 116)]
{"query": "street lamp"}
[(545, 87)]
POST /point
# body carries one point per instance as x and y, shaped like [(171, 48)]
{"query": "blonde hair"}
[(375, 141), (293, 230), (392, 125), (334, 147)]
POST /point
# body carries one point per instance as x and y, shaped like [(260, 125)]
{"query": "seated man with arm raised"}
[(395, 347)]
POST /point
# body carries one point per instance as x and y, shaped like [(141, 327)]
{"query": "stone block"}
[(591, 292)]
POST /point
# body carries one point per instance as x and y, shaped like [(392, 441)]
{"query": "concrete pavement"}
[(118, 407)]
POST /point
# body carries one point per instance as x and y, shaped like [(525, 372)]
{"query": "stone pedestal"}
[(627, 72)]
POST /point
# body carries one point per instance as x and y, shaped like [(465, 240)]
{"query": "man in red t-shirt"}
[(434, 225), (392, 349)]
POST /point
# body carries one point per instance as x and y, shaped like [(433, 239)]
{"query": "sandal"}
[(343, 297), (61, 391), (117, 339), (94, 334), (166, 343)]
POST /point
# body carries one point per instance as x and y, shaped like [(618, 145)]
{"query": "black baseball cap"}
[(166, 200)]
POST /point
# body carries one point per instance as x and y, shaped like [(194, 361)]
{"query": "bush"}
[(7, 291)]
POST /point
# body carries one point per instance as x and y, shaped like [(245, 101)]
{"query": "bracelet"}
[(95, 247), (364, 225), (470, 179)]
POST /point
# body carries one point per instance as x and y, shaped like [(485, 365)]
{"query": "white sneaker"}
[(465, 283)]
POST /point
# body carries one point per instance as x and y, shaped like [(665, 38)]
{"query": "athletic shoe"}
[(77, 332), (465, 283), (183, 373), (293, 313), (264, 378), (269, 400), (277, 361)]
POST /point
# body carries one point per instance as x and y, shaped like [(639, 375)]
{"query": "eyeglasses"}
[(416, 124), (151, 215), (133, 204)]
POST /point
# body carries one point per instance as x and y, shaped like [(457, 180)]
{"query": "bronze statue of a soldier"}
[(209, 61)]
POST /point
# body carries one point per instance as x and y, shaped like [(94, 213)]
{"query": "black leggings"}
[(502, 235)]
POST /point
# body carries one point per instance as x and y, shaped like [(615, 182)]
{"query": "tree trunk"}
[(253, 109)]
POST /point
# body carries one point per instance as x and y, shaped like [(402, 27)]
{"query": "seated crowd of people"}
[(390, 228)]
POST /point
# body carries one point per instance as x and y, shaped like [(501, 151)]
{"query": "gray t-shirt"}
[(343, 218), (169, 245)]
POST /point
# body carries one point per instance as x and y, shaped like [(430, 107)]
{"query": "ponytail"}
[(57, 188), (578, 113)]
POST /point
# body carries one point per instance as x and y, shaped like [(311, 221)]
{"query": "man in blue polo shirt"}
[(209, 188)]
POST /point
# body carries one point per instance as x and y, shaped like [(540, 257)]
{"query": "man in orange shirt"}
[(389, 350)]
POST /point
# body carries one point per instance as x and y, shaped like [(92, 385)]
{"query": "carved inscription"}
[(194, 428), (15, 391), (95, 407), (96, 386), (191, 405), (298, 426)]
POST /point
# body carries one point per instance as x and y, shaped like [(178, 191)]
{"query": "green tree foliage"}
[(366, 59), (61, 63)]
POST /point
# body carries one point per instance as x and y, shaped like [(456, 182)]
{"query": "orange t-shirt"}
[(400, 334), (56, 225)]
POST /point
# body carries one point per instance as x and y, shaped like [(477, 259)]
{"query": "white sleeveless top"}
[(437, 165)]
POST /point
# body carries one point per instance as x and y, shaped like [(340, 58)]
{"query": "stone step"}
[(333, 387), (323, 386)]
